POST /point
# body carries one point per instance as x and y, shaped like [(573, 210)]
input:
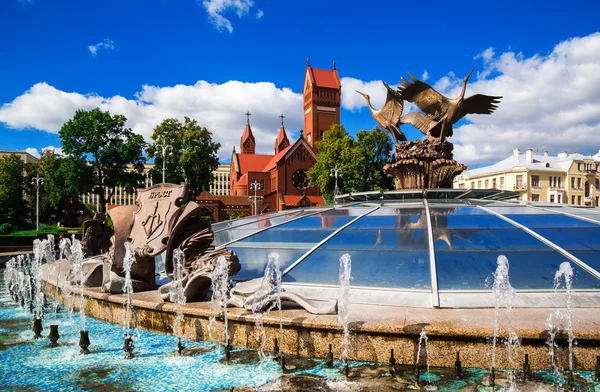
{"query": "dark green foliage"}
[(13, 207), (6, 228), (115, 153)]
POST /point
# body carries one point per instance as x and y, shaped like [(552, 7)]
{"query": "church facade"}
[(279, 181)]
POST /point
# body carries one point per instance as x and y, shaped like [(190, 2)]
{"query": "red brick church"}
[(280, 178)]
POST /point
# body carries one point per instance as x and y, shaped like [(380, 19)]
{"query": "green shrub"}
[(6, 228)]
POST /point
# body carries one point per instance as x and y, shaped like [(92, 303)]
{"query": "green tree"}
[(13, 206), (114, 151), (337, 148), (193, 156), (375, 148)]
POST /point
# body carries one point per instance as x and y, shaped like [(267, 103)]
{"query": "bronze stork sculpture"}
[(443, 112), (389, 115)]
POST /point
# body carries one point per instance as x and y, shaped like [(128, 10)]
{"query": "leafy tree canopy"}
[(114, 151), (13, 207), (375, 147)]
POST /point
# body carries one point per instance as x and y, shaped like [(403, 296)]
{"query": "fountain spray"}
[(343, 309), (565, 271), (128, 261), (77, 264), (504, 295), (220, 284), (177, 295), (36, 290), (265, 298), (423, 341)]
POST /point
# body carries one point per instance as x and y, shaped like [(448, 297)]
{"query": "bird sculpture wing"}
[(424, 96), (420, 121), (478, 104), (393, 107)]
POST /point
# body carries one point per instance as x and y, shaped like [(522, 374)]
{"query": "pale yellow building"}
[(25, 156), (220, 185), (567, 178)]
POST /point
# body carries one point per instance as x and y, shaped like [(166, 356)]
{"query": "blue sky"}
[(215, 59)]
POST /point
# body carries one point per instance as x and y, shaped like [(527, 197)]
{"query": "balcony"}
[(520, 188), (556, 189)]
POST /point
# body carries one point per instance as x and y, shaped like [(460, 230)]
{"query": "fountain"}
[(64, 247), (36, 290), (220, 285), (262, 303), (77, 265), (177, 295), (504, 295), (343, 303), (128, 261), (423, 341)]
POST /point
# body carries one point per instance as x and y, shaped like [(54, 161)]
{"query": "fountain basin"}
[(375, 329)]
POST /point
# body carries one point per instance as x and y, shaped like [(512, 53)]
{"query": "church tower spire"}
[(282, 141), (247, 142)]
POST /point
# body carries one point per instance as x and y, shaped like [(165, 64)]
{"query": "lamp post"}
[(335, 172), (37, 181), (255, 186), (164, 149)]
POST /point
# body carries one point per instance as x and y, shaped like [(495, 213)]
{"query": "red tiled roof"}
[(274, 159), (291, 200), (252, 162), (235, 200), (317, 200), (325, 78), (243, 180), (247, 133), (281, 136), (206, 196)]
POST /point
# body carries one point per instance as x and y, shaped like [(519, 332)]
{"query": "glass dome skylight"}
[(438, 251)]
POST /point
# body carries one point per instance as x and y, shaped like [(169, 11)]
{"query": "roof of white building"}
[(549, 163)]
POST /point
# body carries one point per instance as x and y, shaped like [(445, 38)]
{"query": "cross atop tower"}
[(282, 117), (247, 117)]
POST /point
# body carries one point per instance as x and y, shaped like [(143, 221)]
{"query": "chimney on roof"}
[(563, 154), (516, 152), (545, 153), (529, 155)]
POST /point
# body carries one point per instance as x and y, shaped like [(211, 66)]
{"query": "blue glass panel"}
[(550, 220), (595, 217), (391, 218), (382, 239), (590, 257), (468, 221), (254, 260), (485, 239), (243, 221), (521, 210), (304, 238), (528, 270), (457, 210), (408, 270), (585, 238)]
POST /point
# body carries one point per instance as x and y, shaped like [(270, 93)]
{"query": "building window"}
[(501, 182), (262, 185), (597, 183), (597, 201), (573, 183), (519, 181), (558, 200), (578, 200), (494, 183), (579, 166), (479, 184), (461, 186), (572, 199), (487, 184), (551, 198), (535, 197), (579, 183), (472, 184), (558, 181), (535, 181)]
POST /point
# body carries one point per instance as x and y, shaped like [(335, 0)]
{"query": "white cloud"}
[(105, 44), (550, 102), (218, 107), (260, 14), (33, 151), (216, 9), (425, 75)]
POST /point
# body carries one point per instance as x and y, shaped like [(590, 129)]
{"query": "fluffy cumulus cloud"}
[(550, 102), (36, 153), (105, 44), (217, 8), (218, 107)]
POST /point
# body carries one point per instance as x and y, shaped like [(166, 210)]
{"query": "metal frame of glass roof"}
[(426, 252)]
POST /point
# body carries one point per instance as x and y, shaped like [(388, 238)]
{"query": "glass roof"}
[(433, 246)]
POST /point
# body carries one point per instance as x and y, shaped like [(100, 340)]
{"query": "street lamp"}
[(335, 172), (164, 155), (37, 181), (255, 186)]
